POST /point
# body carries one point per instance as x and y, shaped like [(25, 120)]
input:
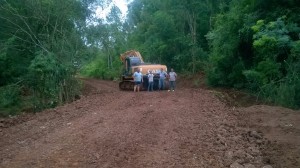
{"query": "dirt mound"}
[(190, 127)]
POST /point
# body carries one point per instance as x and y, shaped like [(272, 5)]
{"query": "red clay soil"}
[(190, 127)]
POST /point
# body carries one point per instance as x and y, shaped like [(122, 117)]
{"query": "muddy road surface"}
[(190, 128)]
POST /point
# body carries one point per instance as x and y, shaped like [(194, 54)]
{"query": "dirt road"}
[(186, 128)]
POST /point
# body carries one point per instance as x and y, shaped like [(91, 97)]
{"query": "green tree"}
[(172, 32), (252, 46), (35, 33)]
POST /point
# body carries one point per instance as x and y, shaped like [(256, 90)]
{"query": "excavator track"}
[(126, 85)]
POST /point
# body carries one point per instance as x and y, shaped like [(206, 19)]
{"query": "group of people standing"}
[(138, 80)]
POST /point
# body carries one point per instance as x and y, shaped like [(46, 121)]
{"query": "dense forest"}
[(252, 45)]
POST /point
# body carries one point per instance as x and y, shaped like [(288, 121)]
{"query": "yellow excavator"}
[(132, 60)]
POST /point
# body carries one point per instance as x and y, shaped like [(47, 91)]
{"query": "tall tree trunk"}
[(193, 30), (109, 59)]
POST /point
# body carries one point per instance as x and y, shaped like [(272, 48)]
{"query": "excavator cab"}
[(129, 63)]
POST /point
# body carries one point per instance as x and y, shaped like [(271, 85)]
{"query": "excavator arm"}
[(131, 53)]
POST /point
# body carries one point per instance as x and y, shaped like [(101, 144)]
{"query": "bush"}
[(254, 79), (98, 69), (9, 100), (213, 77), (284, 93), (227, 71), (51, 81), (276, 69)]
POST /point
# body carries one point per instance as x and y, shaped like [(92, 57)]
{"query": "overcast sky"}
[(121, 4)]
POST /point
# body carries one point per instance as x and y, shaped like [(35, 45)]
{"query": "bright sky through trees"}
[(121, 4)]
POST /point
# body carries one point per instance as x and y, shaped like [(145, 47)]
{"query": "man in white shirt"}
[(172, 79), (138, 79), (150, 81)]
